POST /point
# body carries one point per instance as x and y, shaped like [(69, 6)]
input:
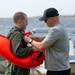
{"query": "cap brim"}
[(42, 19)]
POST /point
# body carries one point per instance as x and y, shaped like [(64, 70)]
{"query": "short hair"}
[(18, 15)]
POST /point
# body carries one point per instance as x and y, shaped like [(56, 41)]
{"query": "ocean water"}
[(7, 23)]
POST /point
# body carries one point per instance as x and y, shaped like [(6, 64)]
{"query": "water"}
[(7, 23)]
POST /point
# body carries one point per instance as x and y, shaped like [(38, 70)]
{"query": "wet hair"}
[(18, 16)]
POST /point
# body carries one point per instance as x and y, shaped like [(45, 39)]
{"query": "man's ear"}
[(51, 19), (19, 21)]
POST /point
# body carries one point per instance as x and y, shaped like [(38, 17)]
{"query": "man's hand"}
[(34, 49), (26, 38)]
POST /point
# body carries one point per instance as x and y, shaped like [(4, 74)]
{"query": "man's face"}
[(49, 21), (24, 23)]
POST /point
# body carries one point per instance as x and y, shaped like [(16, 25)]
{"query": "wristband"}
[(30, 41)]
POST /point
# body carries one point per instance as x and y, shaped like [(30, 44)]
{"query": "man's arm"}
[(36, 38), (38, 45)]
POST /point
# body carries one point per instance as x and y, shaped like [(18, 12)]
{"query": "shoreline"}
[(61, 16)]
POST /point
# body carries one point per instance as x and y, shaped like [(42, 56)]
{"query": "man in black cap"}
[(55, 44)]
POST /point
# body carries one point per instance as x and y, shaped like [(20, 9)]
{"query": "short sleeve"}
[(52, 36)]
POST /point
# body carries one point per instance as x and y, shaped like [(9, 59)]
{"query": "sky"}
[(35, 7)]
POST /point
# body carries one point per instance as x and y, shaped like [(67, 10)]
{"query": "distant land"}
[(59, 15), (40, 16)]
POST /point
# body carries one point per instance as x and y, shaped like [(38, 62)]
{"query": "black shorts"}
[(65, 72)]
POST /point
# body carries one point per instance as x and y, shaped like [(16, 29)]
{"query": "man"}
[(19, 46), (56, 44)]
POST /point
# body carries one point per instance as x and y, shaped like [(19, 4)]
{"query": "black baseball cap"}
[(50, 12)]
